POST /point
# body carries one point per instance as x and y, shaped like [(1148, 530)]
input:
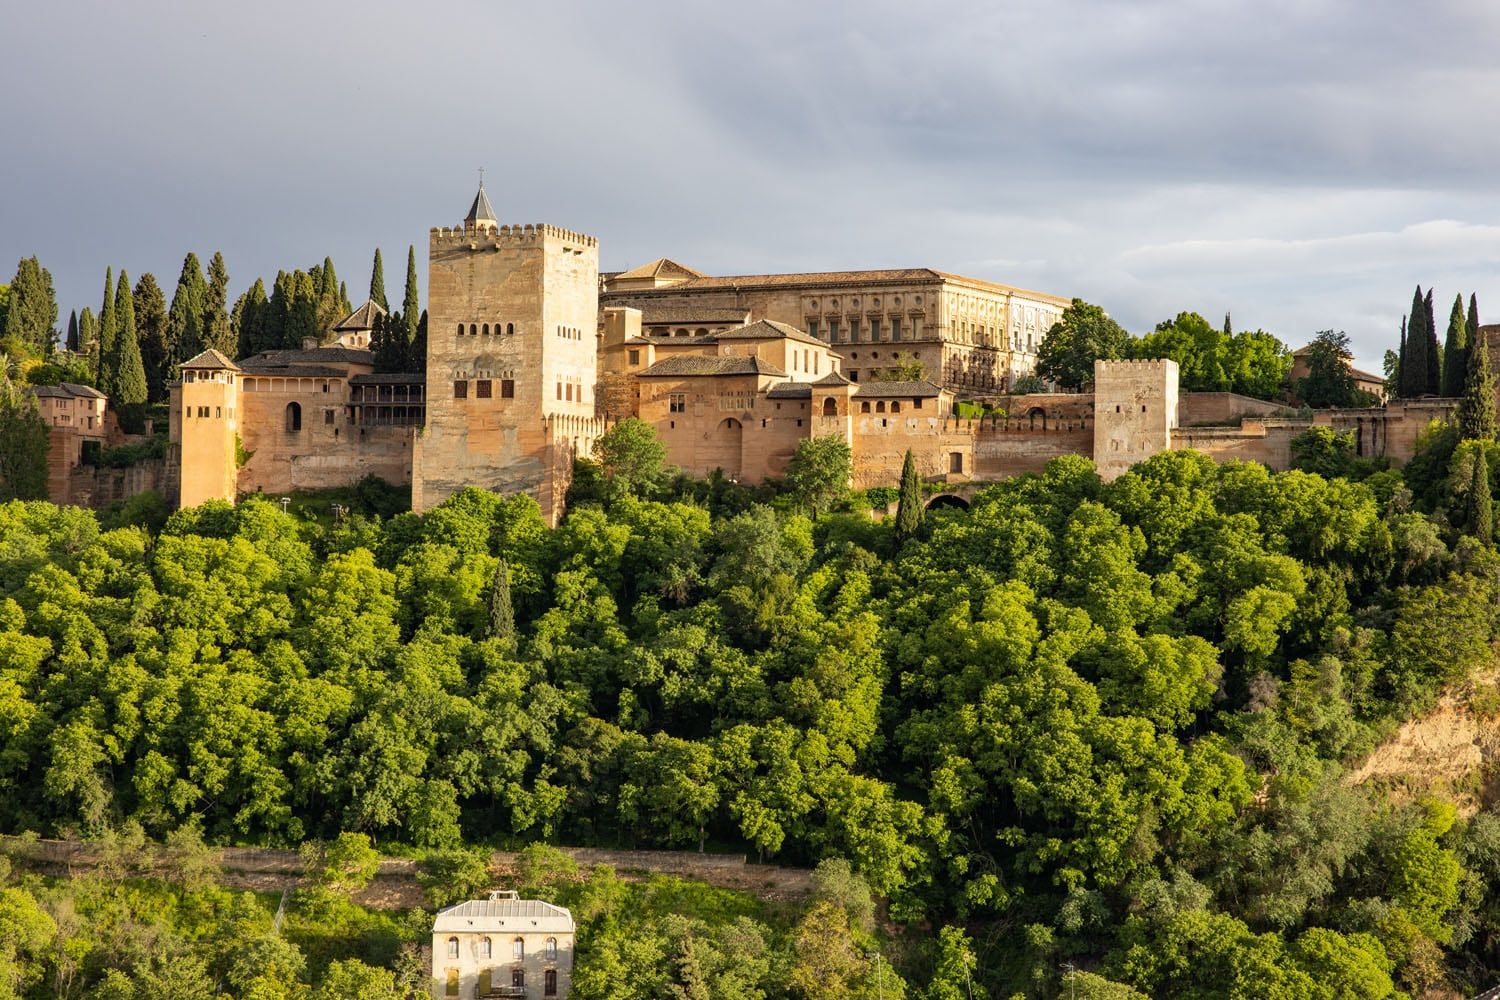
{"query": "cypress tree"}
[(1396, 388), (185, 319), (1434, 349), (105, 354), (277, 318), (248, 320), (909, 509), (1476, 411), (217, 333), (502, 623), (88, 339), (1481, 513), (303, 322), (151, 324), (1455, 356), (130, 376), (1473, 320), (344, 307), (23, 444), (72, 340), (31, 315), (417, 358), (410, 307), (1414, 358), (377, 282)]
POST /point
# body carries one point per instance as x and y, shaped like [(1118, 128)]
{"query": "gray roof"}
[(82, 390), (66, 390), (313, 356), (904, 390), (697, 364), (390, 378), (765, 329), (690, 313), (49, 391), (480, 211), (362, 318), (833, 378), (294, 371), (790, 390), (210, 358), (504, 912)]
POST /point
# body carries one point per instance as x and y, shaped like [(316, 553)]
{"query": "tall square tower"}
[(512, 363)]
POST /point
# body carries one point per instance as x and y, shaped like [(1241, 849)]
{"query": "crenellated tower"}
[(511, 359)]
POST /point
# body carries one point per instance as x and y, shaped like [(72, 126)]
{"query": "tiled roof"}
[(921, 388), (314, 355), (49, 391), (833, 378), (83, 390), (390, 378), (294, 371), (698, 364), (659, 268), (688, 313), (211, 358), (499, 913), (821, 279), (362, 318), (764, 329), (790, 390)]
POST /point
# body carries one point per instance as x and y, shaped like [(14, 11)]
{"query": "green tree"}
[(151, 323), (818, 473), (1414, 357), (88, 340), (1480, 519), (185, 333), (377, 283), (1201, 352), (502, 614), (1456, 351), (1257, 364), (129, 374), (909, 509), (23, 445), (31, 312), (71, 340), (953, 972), (345, 865), (1433, 352), (411, 307), (1324, 451), (1476, 411), (217, 332), (303, 323), (248, 320), (631, 455), (109, 327), (1085, 334), (1329, 382)]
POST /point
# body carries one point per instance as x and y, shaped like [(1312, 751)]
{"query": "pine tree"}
[(88, 339), (72, 340), (1481, 512), (1476, 411), (1414, 360), (1455, 356), (108, 326), (31, 316), (502, 623), (410, 307), (185, 334), (217, 332), (130, 376), (909, 508), (151, 324), (377, 283), (1433, 351)]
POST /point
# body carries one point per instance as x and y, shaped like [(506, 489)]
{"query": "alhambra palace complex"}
[(532, 354)]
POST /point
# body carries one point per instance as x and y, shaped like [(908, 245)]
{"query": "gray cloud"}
[(1302, 164)]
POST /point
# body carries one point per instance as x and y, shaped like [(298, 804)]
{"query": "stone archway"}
[(947, 501), (722, 447)]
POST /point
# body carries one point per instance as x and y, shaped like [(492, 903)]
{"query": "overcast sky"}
[(1301, 164)]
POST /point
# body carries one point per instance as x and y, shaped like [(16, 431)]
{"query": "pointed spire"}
[(480, 211)]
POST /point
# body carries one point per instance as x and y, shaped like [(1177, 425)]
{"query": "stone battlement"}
[(496, 236)]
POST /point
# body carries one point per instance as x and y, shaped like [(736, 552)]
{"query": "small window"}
[(219, 411), (916, 404), (325, 386), (518, 976), (518, 950), (460, 389), (880, 406), (549, 983), (895, 327), (486, 947), (552, 949), (812, 326), (854, 375), (895, 406), (833, 330), (1143, 407), (507, 388), (874, 329), (328, 416), (510, 329), (460, 329), (559, 390), (677, 403), (956, 461), (453, 947), (485, 330), (473, 330), (864, 406), (482, 388), (635, 357), (293, 416), (568, 392)]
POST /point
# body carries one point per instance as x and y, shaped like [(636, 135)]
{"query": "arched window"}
[(895, 406), (880, 406), (510, 329), (473, 329), (552, 949), (460, 329), (549, 983), (518, 948), (294, 416), (486, 947), (830, 407), (485, 329), (453, 947)]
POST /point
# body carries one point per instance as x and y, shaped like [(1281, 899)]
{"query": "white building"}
[(503, 946)]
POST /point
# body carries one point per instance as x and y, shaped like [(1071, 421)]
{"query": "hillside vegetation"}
[(1098, 725)]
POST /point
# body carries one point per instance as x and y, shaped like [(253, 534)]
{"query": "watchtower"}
[(1135, 412), (206, 422), (511, 359)]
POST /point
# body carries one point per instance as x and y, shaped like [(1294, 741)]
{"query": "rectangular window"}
[(812, 326), (833, 331), (549, 983), (325, 386), (916, 328), (955, 461), (507, 388), (895, 327), (875, 329), (635, 357), (854, 374), (677, 402), (460, 389), (327, 416), (219, 411), (854, 329), (559, 390), (482, 389), (568, 392), (916, 404)]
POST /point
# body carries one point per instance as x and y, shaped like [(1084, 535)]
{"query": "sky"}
[(1302, 165)]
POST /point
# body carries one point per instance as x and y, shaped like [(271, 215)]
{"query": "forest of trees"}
[(1100, 725)]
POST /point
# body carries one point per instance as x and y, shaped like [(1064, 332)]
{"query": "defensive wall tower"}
[(207, 424), (1135, 412), (512, 359)]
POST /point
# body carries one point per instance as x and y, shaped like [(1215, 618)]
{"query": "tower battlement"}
[(485, 235)]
